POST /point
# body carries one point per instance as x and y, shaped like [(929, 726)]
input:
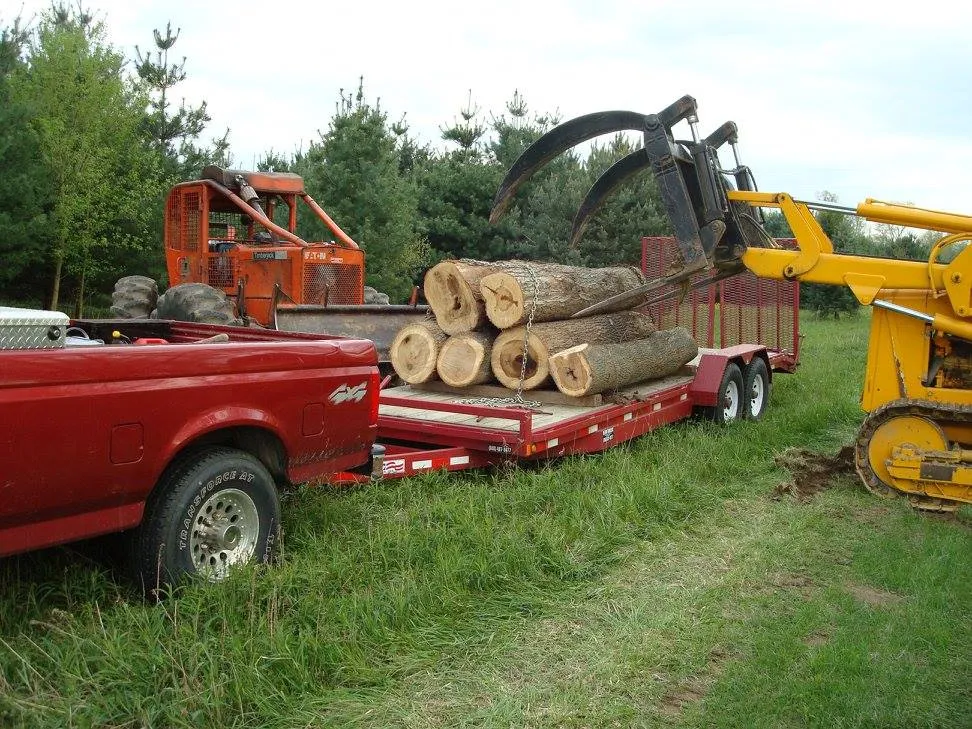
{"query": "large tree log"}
[(415, 351), (549, 337), (464, 359), (557, 291), (590, 368), (452, 290)]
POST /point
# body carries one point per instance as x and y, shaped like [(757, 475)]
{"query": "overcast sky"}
[(864, 99)]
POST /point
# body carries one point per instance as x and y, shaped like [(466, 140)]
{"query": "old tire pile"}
[(134, 297)]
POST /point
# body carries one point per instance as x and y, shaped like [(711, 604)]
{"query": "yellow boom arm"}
[(816, 261)]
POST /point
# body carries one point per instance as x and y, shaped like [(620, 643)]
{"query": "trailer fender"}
[(712, 365)]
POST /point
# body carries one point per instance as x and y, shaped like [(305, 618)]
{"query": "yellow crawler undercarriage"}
[(917, 436), (916, 440), (916, 448)]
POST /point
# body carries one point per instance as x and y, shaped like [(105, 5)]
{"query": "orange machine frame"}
[(257, 260)]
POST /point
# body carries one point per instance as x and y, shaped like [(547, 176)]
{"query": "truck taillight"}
[(374, 390)]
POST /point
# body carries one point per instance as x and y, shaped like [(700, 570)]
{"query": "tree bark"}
[(557, 291), (464, 359), (56, 289), (591, 368), (452, 290), (549, 337), (415, 350)]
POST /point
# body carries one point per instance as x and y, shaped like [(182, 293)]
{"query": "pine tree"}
[(354, 171), (175, 131), (25, 192)]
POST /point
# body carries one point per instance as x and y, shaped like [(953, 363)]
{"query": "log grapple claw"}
[(711, 231)]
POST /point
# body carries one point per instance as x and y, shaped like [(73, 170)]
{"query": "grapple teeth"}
[(612, 178), (558, 140)]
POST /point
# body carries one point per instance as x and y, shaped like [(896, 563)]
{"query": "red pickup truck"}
[(182, 430)]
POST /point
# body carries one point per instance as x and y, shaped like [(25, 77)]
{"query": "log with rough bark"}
[(415, 351), (452, 290), (551, 291), (547, 338), (590, 368), (464, 359)]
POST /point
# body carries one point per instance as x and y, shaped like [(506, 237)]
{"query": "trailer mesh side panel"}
[(760, 311), (694, 309), (750, 311), (332, 283)]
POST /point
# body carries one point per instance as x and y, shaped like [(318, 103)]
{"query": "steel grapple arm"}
[(711, 230)]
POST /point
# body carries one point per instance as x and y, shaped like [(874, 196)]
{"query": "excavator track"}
[(937, 413)]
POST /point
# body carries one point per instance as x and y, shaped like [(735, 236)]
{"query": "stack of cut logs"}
[(510, 320)]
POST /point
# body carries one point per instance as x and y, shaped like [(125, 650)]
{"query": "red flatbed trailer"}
[(425, 431), (429, 431)]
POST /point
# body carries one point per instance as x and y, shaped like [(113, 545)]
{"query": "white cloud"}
[(858, 98)]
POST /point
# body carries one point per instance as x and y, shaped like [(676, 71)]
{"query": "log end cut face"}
[(504, 300), (415, 351), (507, 360), (571, 372), (464, 361), (455, 305)]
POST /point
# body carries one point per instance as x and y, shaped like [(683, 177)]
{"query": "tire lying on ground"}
[(196, 302), (134, 297)]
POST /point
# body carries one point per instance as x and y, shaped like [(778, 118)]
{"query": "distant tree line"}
[(91, 141)]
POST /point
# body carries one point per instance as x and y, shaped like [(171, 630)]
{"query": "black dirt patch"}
[(812, 472)]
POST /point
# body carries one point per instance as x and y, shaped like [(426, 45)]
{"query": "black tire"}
[(197, 302), (374, 297), (134, 297), (756, 389), (729, 407), (212, 509)]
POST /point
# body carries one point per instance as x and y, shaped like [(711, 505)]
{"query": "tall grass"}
[(388, 595)]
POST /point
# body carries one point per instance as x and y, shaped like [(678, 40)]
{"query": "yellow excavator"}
[(916, 439)]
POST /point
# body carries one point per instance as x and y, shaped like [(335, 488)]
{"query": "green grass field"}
[(659, 584)]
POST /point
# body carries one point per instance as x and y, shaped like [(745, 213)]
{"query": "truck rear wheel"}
[(134, 297), (197, 302), (214, 509)]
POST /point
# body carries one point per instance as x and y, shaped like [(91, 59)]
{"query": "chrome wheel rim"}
[(224, 533)]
